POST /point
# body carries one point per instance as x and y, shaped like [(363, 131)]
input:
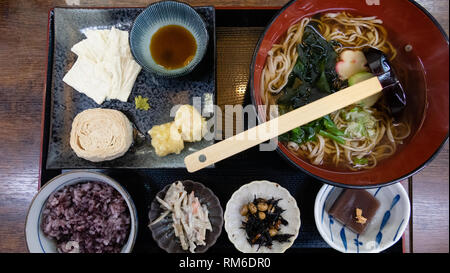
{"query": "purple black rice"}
[(88, 217)]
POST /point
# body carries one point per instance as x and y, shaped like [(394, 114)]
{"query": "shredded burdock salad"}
[(189, 216)]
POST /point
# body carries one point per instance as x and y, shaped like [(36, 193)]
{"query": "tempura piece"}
[(166, 139), (190, 123)]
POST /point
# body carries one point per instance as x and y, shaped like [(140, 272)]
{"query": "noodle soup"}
[(321, 55)]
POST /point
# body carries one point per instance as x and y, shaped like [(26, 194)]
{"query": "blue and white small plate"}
[(384, 230), (37, 242)]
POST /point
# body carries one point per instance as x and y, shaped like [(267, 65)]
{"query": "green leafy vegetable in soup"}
[(314, 75), (323, 126)]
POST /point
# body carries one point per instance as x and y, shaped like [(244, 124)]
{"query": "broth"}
[(173, 47)]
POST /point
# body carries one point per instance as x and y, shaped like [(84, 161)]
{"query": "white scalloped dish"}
[(267, 190)]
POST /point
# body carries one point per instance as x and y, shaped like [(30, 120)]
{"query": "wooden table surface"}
[(23, 25)]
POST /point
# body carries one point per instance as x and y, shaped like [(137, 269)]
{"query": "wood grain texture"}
[(23, 24), (431, 206)]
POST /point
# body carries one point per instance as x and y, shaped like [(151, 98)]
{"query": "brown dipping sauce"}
[(173, 46)]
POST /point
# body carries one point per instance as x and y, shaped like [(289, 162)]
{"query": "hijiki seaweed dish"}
[(262, 217), (262, 222)]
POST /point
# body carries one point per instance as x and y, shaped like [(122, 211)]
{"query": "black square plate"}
[(163, 94)]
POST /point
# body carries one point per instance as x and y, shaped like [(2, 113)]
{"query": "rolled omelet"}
[(101, 134), (166, 139), (190, 124)]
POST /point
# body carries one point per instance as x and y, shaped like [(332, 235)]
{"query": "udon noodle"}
[(349, 32)]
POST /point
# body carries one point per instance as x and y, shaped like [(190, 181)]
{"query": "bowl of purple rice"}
[(81, 212)]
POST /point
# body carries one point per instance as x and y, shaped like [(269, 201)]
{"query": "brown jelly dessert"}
[(355, 209)]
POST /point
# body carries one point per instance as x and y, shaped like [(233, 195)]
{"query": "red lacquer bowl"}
[(424, 72)]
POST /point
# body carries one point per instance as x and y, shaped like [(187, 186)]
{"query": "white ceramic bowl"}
[(384, 230), (37, 242), (267, 190)]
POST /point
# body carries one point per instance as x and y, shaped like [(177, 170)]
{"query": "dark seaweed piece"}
[(258, 229), (282, 237), (316, 61), (299, 95), (314, 69), (284, 221)]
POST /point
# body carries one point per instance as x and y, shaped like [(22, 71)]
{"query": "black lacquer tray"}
[(227, 176)]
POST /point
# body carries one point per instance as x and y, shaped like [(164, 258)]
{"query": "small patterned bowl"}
[(163, 232), (383, 231), (161, 14), (37, 242)]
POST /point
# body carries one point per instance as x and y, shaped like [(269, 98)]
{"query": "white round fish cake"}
[(101, 134), (261, 189)]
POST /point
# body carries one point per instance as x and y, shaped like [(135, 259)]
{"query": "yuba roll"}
[(101, 134)]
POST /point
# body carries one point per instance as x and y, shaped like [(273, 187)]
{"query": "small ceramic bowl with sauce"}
[(169, 38)]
